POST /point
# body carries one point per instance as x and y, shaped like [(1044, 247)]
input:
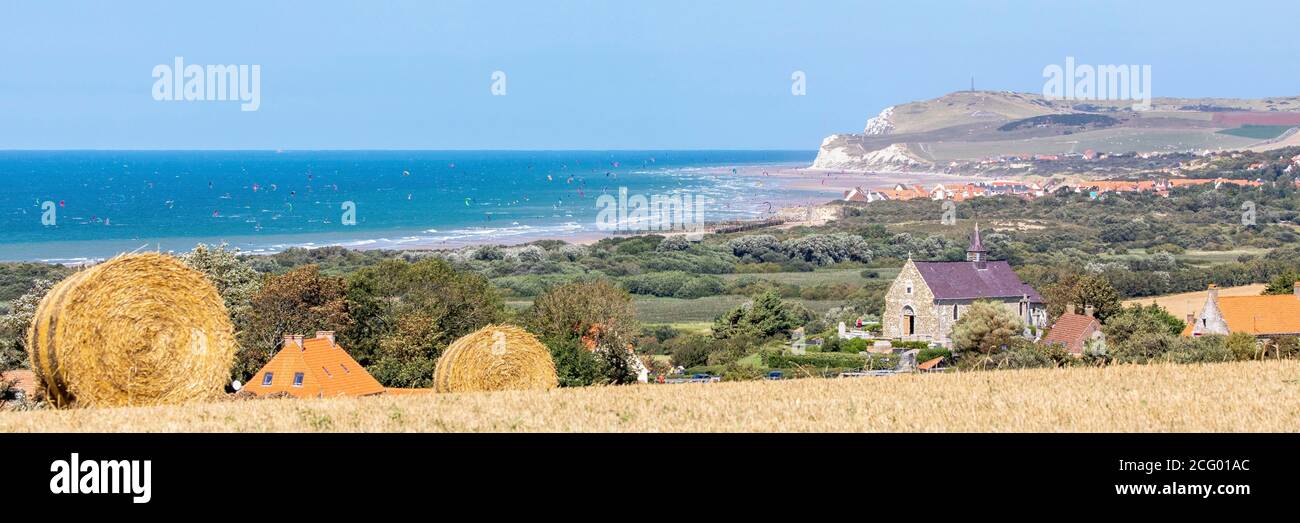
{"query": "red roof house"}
[(1073, 331), (313, 368)]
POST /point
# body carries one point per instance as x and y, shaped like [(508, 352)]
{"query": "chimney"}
[(293, 340), (1087, 310), (1069, 308), (1213, 291), (329, 335)]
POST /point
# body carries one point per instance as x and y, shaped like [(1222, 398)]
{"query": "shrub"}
[(854, 346), (674, 284), (1242, 346), (824, 249), (488, 253), (700, 287), (738, 372), (932, 353), (673, 243), (754, 246), (766, 317), (1019, 354), (575, 366), (690, 350), (1203, 349), (779, 360), (985, 328), (530, 254)]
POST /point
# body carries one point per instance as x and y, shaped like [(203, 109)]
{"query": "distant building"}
[(1260, 316), (1076, 331), (313, 368), (927, 298), (860, 195)]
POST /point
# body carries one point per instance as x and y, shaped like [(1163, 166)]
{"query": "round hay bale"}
[(140, 329), (496, 357)]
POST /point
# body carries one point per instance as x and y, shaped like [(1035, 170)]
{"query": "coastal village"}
[(1160, 180), (1030, 190)]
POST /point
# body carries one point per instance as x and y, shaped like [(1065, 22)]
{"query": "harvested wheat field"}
[(1244, 396), (1180, 305)]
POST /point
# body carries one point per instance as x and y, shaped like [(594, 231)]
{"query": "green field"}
[(1258, 132), (801, 279), (1213, 257), (698, 314), (1115, 139), (677, 310)]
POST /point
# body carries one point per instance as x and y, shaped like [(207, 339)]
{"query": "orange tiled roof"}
[(1072, 331), (327, 371), (1202, 181), (1260, 315), (907, 193)]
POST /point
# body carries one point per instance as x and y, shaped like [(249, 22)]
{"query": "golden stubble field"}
[(1182, 304), (1224, 397)]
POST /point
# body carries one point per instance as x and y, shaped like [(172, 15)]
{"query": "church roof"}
[(964, 281)]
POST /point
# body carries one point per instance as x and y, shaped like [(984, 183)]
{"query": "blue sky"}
[(616, 74)]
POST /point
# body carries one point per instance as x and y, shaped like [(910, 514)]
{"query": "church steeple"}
[(976, 253)]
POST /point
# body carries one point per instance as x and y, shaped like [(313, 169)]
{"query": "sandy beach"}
[(833, 182)]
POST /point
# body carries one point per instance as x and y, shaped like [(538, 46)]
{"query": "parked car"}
[(775, 375)]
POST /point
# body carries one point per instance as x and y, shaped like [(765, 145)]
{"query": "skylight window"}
[(266, 379), (297, 379)]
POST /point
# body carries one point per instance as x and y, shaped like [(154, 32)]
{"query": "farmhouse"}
[(1076, 332), (927, 298), (1261, 316), (313, 368)]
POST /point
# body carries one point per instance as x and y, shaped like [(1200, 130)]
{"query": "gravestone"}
[(907, 361)]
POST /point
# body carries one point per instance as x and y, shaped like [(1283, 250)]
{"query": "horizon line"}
[(362, 149)]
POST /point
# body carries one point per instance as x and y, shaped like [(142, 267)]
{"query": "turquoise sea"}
[(74, 206)]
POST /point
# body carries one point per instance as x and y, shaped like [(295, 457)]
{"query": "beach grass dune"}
[(1223, 397)]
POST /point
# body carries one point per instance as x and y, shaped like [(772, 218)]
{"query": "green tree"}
[(300, 301), (691, 350), (986, 328), (598, 315), (1083, 291), (1283, 283), (234, 278), (766, 317), (575, 366), (1141, 318), (405, 314), (14, 325)]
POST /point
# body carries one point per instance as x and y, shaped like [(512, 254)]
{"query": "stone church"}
[(927, 298)]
